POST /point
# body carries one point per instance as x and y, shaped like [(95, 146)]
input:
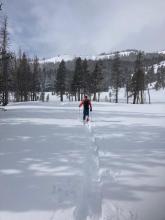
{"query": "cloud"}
[(148, 39), (48, 28)]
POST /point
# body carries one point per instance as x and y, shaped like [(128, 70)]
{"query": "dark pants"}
[(85, 113)]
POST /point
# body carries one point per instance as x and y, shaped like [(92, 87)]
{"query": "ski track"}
[(89, 204), (89, 207)]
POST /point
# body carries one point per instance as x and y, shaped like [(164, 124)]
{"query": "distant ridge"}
[(100, 56)]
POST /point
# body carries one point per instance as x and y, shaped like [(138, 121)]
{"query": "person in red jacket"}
[(86, 103)]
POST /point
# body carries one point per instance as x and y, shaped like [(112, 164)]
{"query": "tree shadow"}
[(129, 152), (41, 160)]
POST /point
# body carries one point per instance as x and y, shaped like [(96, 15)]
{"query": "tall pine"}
[(160, 78), (138, 80), (5, 56), (96, 80), (60, 80), (116, 77), (35, 85), (77, 79), (85, 77)]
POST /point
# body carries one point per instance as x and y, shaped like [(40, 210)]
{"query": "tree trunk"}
[(116, 98), (134, 98), (81, 96), (149, 98), (94, 96), (142, 97), (127, 95), (61, 97), (5, 78), (78, 94), (21, 96), (137, 99), (98, 97)]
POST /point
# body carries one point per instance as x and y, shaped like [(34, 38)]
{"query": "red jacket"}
[(86, 103)]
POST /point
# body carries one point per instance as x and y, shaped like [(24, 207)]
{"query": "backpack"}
[(86, 104)]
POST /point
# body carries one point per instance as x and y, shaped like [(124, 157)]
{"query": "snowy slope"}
[(59, 58), (52, 167), (156, 66), (162, 52)]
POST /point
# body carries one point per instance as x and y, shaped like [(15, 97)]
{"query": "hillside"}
[(123, 54), (127, 64), (101, 56)]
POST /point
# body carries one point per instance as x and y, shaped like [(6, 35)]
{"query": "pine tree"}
[(5, 56), (116, 77), (160, 78), (15, 79), (77, 79), (150, 75), (163, 76), (25, 72), (149, 79), (127, 82), (85, 77), (96, 80), (22, 78), (42, 83), (138, 83), (60, 80), (35, 85)]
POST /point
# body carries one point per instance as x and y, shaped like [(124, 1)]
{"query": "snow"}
[(156, 96), (58, 58), (156, 66), (162, 52), (127, 53), (53, 167), (66, 57)]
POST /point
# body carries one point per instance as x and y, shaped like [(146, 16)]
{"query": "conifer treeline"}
[(27, 80), (83, 80), (91, 81)]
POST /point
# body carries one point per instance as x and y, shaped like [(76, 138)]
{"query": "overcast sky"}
[(84, 27)]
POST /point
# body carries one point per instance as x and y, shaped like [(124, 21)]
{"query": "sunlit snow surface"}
[(53, 167)]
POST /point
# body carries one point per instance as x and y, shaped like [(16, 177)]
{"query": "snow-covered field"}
[(52, 167)]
